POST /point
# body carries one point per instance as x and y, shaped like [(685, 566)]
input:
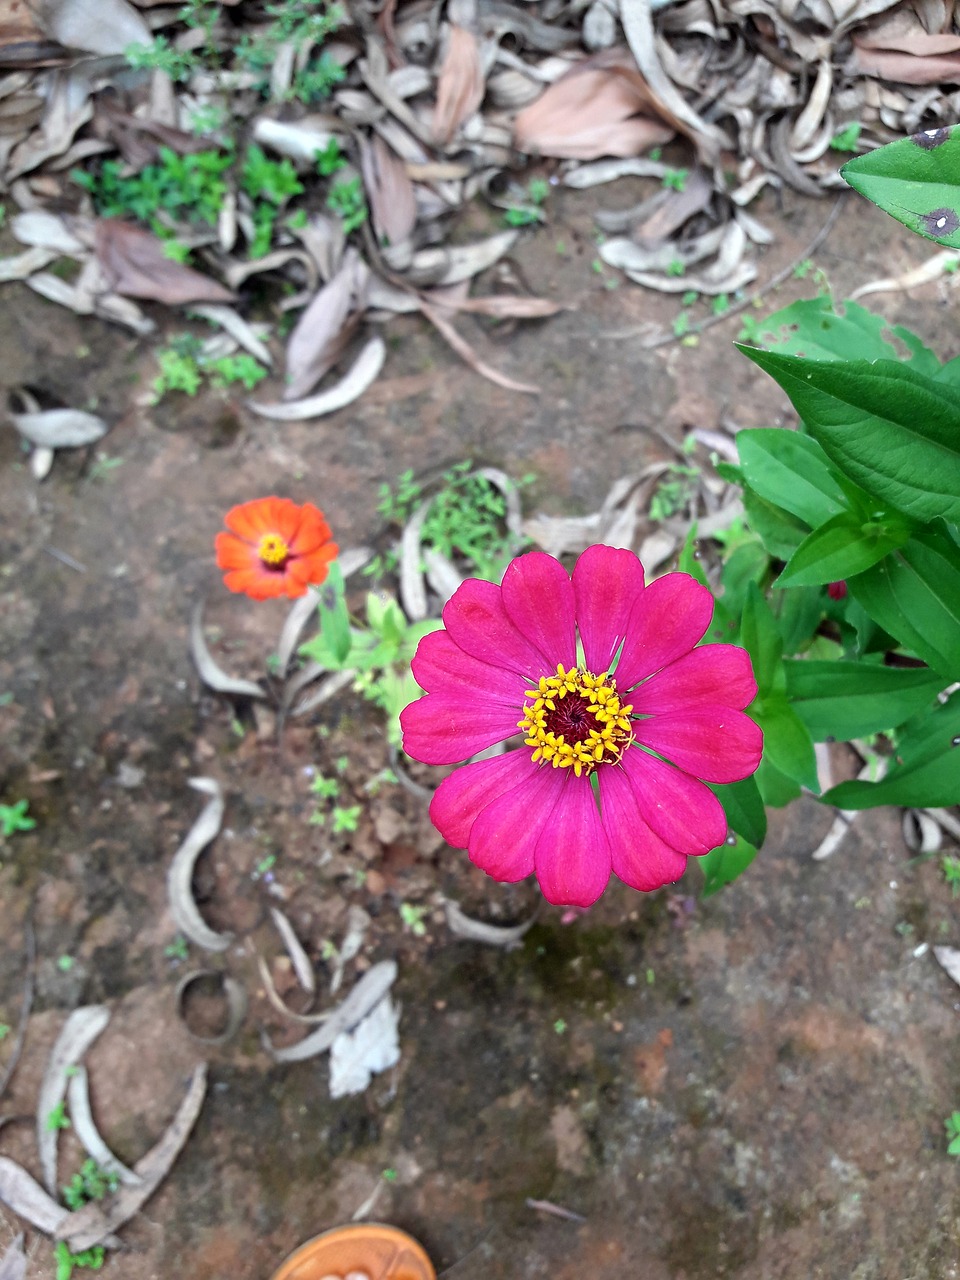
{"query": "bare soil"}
[(752, 1087)]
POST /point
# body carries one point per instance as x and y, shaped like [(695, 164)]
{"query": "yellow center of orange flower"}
[(576, 720), (273, 550)]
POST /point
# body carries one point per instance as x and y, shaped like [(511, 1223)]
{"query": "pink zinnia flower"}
[(604, 677)]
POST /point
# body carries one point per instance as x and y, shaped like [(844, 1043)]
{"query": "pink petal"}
[(717, 674), (442, 728), (477, 621), (505, 835), (607, 583), (441, 666), (573, 856), (713, 743), (680, 809), (538, 598), (458, 800), (667, 621), (640, 858)]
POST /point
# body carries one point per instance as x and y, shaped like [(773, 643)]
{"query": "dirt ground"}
[(752, 1087)]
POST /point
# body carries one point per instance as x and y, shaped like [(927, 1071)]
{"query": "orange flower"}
[(276, 548)]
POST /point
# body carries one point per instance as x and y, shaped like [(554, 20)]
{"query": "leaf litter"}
[(371, 135)]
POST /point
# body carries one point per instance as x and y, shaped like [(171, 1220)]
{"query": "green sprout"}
[(57, 1118), (675, 179), (177, 949), (13, 818), (560, 1026), (346, 819), (345, 199), (846, 139), (952, 1126), (412, 918), (951, 872)]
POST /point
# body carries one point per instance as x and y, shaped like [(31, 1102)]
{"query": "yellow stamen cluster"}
[(576, 720), (273, 549)]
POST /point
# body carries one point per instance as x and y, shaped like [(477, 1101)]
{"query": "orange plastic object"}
[(378, 1251)]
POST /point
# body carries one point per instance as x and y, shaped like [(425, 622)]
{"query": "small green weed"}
[(345, 199), (191, 187), (5, 1030), (57, 1118), (161, 56), (951, 872), (14, 818), (952, 1126), (93, 1182), (672, 495), (183, 367), (675, 179), (847, 137), (529, 211), (177, 949), (412, 918), (330, 159), (345, 819), (67, 1261), (65, 963)]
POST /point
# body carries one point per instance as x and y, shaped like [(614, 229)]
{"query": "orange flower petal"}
[(233, 552), (313, 531), (251, 520)]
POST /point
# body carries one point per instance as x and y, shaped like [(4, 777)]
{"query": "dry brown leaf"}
[(92, 1224), (13, 1264), (210, 673), (135, 265), (600, 108), (366, 995), (86, 1131), (903, 68), (460, 86), (362, 374), (326, 326), (502, 306), (76, 1036), (25, 1196), (183, 906), (95, 26), (393, 205), (467, 353)]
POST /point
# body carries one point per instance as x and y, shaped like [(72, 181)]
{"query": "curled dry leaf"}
[(183, 907), (238, 328), (45, 230), (60, 428), (328, 689), (393, 205), (358, 922), (921, 833), (371, 1047), (23, 265), (363, 997), (92, 1225), (136, 266), (301, 139), (460, 85), (936, 266), (25, 1196), (453, 263), (363, 373), (234, 994), (494, 935), (467, 353), (949, 959), (299, 958), (413, 593), (88, 1135), (212, 675), (602, 107), (76, 1036), (13, 1264), (95, 26), (323, 331), (441, 573)]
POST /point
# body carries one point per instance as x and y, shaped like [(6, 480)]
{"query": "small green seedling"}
[(560, 1026), (951, 873), (675, 179), (67, 1261), (65, 963), (57, 1118), (177, 949), (412, 918), (346, 819), (529, 211), (93, 1182), (5, 1030), (846, 139), (13, 818), (345, 199), (952, 1126)]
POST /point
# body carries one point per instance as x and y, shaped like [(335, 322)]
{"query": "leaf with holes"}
[(915, 181)]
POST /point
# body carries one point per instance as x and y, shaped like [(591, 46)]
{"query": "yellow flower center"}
[(576, 721), (273, 550)]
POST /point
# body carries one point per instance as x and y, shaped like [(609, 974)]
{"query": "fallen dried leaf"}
[(236, 998), (183, 907), (76, 1036), (60, 428), (494, 935), (91, 1225), (25, 1196), (95, 26), (301, 961), (936, 266), (949, 959), (460, 83), (135, 264), (13, 1264), (325, 327), (88, 1135), (372, 1046), (363, 373), (212, 675), (363, 997)]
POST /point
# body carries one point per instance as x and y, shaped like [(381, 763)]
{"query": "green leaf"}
[(895, 432), (842, 547), (722, 865), (760, 636), (814, 328), (798, 612), (743, 805), (954, 1148), (779, 531), (334, 618), (926, 771), (915, 181), (845, 700), (914, 594), (786, 740), (775, 787), (791, 471)]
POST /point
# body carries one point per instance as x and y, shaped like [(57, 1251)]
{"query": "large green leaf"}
[(895, 432), (722, 865), (743, 806), (779, 531), (914, 594), (915, 181), (760, 636), (926, 771), (775, 787), (791, 471), (845, 700), (813, 327), (841, 548), (787, 743)]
